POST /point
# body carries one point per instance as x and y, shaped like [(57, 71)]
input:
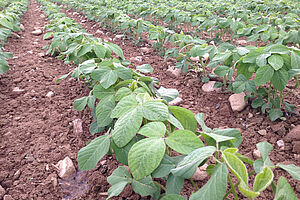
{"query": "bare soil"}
[(36, 131)]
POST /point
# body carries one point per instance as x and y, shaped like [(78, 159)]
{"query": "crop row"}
[(142, 130), (9, 21)]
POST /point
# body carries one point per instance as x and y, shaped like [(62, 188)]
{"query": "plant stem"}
[(194, 184), (160, 185), (233, 188), (229, 191)]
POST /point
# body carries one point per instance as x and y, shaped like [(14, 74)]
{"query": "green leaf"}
[(153, 129), (84, 49), (173, 197), (216, 186), (174, 184), (295, 60), (122, 92), (103, 111), (185, 117), (145, 68), (127, 104), (251, 57), (263, 180), (284, 191), (154, 110), (263, 75), (258, 165), (99, 92), (227, 137), (236, 166), (264, 148), (175, 122), (124, 73), (108, 79), (118, 179), (116, 49), (278, 48), (184, 141), (221, 71), (89, 156), (126, 127), (79, 104), (122, 153), (168, 94), (220, 138), (200, 119), (100, 51), (275, 113), (280, 79), (276, 61), (245, 190), (261, 60), (164, 167), (144, 187), (144, 156), (116, 189), (94, 128), (187, 167), (293, 170)]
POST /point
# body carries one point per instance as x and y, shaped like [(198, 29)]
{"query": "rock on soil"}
[(256, 153), (262, 132), (2, 192), (65, 168), (37, 32), (294, 137), (209, 87), (237, 102), (8, 197), (77, 127), (200, 173), (174, 73), (175, 102)]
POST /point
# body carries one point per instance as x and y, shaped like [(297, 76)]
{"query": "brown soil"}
[(36, 131)]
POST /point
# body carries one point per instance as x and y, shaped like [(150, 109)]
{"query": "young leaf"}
[(127, 104), (295, 60), (155, 111), (216, 186), (122, 153), (168, 94), (164, 167), (153, 129), (79, 104), (145, 156), (284, 191), (174, 184), (99, 92), (200, 119), (184, 141), (275, 113), (144, 187), (103, 111), (118, 179), (293, 170), (145, 68), (175, 122), (280, 79), (263, 75), (126, 127), (89, 155), (276, 61), (264, 148), (122, 92), (116, 189), (185, 116), (263, 179), (108, 79)]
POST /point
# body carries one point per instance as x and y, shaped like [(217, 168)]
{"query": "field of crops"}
[(157, 99)]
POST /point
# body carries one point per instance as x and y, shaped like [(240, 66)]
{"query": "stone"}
[(52, 179), (99, 32), (280, 143), (250, 115), (42, 16), (65, 168), (279, 129), (35, 43), (37, 32), (175, 102), (174, 73), (298, 187), (137, 59), (296, 147), (118, 37), (50, 94), (83, 21), (77, 127), (205, 57), (15, 35), (256, 154), (18, 90), (237, 102), (200, 173), (2, 192), (145, 50), (41, 54), (195, 59), (262, 132), (294, 134), (8, 197), (30, 52), (17, 174), (22, 27), (242, 42), (209, 87)]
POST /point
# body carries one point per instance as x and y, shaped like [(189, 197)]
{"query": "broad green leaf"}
[(231, 137), (295, 60), (118, 179), (89, 156), (116, 49), (153, 129), (293, 73), (245, 190), (143, 97), (144, 187), (275, 114), (280, 79), (216, 186), (100, 51), (84, 49), (236, 166), (116, 189), (79, 104), (276, 61), (108, 79), (240, 84), (221, 71), (94, 128), (126, 127), (187, 167), (124, 73), (258, 165), (263, 180), (99, 92), (145, 68), (264, 148), (127, 104), (175, 122), (122, 92), (261, 60), (164, 167), (263, 75), (184, 141), (219, 138), (185, 117), (292, 169), (174, 184), (103, 111), (278, 48), (251, 57), (200, 119), (284, 191), (144, 156), (122, 153), (173, 197), (154, 110), (168, 94)]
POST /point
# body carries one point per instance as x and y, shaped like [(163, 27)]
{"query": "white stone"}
[(15, 35), (262, 132), (174, 73), (145, 50), (50, 94), (30, 52), (41, 54), (2, 192), (83, 21), (8, 197), (22, 27), (237, 102), (100, 32), (175, 102), (250, 115), (200, 173), (37, 32), (195, 59), (280, 143), (209, 87), (256, 153), (118, 37), (65, 168), (242, 42), (18, 90)]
